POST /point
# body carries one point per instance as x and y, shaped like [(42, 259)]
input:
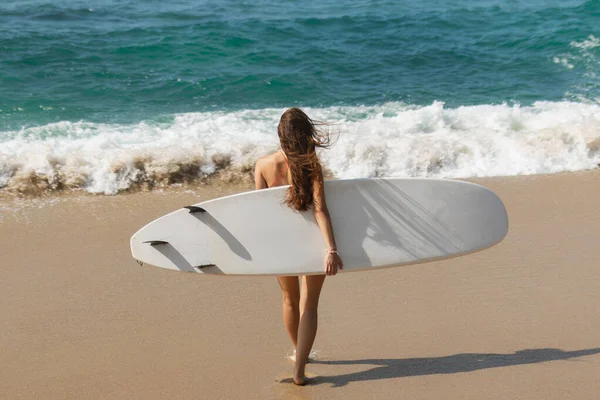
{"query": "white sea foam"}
[(583, 58), (392, 139), (589, 43), (564, 61)]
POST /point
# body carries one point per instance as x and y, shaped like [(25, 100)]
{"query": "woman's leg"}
[(290, 289), (307, 329)]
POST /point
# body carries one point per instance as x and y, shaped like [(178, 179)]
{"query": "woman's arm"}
[(259, 180), (333, 262)]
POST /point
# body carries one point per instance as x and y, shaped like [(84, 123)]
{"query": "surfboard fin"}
[(155, 242), (205, 266), (195, 209)]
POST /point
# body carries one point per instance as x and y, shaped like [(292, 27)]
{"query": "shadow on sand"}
[(406, 367)]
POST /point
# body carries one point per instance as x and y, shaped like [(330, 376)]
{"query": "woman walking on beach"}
[(297, 165)]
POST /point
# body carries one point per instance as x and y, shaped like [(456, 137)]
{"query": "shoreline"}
[(238, 184)]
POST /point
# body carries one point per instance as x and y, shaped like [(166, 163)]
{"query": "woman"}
[(297, 165)]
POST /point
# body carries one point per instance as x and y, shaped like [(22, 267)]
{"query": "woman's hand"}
[(333, 263)]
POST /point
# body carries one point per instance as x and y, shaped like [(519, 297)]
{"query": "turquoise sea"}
[(105, 95)]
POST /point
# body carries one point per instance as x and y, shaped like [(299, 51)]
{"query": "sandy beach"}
[(82, 320)]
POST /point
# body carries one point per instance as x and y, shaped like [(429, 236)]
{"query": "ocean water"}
[(105, 96)]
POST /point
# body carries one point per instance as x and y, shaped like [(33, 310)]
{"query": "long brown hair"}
[(299, 137)]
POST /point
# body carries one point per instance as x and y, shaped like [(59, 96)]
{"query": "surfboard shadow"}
[(180, 261), (421, 228), (234, 245), (458, 363)]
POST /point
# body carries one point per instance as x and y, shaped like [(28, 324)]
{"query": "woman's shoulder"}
[(267, 160)]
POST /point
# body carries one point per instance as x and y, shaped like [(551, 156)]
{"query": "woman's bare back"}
[(273, 170)]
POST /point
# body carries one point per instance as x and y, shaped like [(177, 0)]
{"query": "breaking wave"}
[(389, 140)]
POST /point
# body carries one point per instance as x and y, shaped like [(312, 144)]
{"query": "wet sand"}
[(82, 320)]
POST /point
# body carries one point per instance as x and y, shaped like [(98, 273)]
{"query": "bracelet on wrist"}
[(331, 251)]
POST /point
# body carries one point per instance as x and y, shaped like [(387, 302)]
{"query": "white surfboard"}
[(378, 223)]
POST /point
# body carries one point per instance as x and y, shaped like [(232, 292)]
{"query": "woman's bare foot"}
[(299, 378), (300, 382)]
